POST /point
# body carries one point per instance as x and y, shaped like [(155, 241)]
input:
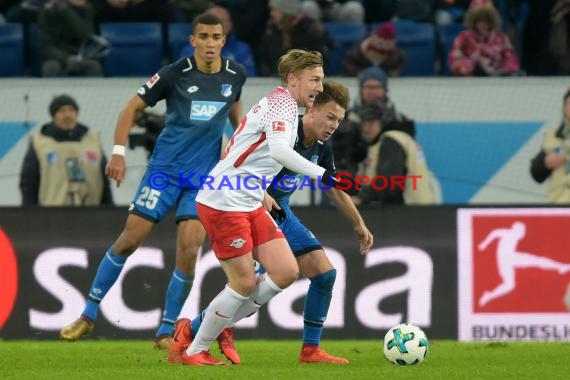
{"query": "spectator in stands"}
[(24, 11), (553, 160), (450, 11), (64, 164), (234, 49), (348, 146), (377, 49), (287, 29), (190, 9), (559, 44), (249, 21), (136, 11), (392, 155), (379, 11), (334, 10), (482, 49), (63, 26)]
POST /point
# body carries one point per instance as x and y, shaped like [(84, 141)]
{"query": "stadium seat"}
[(178, 33), (447, 34), (11, 50), (418, 41), (344, 35), (136, 48)]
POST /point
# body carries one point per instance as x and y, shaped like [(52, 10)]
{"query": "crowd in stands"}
[(500, 37)]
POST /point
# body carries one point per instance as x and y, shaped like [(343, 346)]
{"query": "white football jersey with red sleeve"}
[(239, 180)]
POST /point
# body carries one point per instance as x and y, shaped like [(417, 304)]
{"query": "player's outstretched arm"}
[(344, 204), (116, 168)]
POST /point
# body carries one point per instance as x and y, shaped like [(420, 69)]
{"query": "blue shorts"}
[(157, 194), (300, 238)]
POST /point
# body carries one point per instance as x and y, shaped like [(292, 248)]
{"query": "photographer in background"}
[(553, 159), (64, 26), (64, 164), (152, 124)]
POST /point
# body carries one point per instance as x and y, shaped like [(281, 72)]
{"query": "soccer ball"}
[(405, 344)]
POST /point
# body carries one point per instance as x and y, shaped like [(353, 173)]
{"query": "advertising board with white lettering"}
[(48, 258), (514, 274)]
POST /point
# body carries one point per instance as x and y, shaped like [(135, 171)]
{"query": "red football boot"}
[(201, 358), (314, 354), (181, 340), (226, 344)]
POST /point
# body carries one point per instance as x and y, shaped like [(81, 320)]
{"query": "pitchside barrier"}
[(478, 134), (467, 273)]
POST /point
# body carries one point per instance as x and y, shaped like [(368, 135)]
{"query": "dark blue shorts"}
[(300, 238)]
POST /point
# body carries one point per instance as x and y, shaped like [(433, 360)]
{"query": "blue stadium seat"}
[(344, 35), (178, 33), (418, 41), (136, 48), (11, 50), (447, 34)]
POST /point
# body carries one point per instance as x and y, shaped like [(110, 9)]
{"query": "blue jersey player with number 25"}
[(201, 92)]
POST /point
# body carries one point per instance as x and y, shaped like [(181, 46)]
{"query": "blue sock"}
[(176, 294), (197, 321), (317, 304), (107, 273)]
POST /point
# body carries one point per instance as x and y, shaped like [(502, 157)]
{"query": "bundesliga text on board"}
[(514, 274)]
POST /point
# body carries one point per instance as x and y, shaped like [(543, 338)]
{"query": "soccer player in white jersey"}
[(231, 208)]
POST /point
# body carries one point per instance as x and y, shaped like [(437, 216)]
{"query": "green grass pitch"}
[(122, 360)]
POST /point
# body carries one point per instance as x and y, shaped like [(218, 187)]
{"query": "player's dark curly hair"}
[(333, 91), (206, 19), (297, 60)]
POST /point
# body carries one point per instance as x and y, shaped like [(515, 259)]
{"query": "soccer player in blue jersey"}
[(201, 92), (315, 128)]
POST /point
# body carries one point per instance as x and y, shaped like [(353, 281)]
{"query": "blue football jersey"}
[(287, 181), (197, 107)]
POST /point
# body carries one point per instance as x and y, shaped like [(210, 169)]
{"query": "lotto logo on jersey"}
[(152, 81), (204, 111), (278, 126), (514, 274)]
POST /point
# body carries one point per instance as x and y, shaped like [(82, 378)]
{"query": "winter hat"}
[(60, 101), (386, 31), (289, 7), (373, 73), (482, 9)]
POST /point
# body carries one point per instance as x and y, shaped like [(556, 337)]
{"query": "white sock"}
[(265, 290), (220, 312)]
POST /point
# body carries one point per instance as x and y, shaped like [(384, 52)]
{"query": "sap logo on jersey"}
[(204, 111)]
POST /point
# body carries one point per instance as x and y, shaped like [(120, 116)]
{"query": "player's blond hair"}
[(334, 91), (297, 60)]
